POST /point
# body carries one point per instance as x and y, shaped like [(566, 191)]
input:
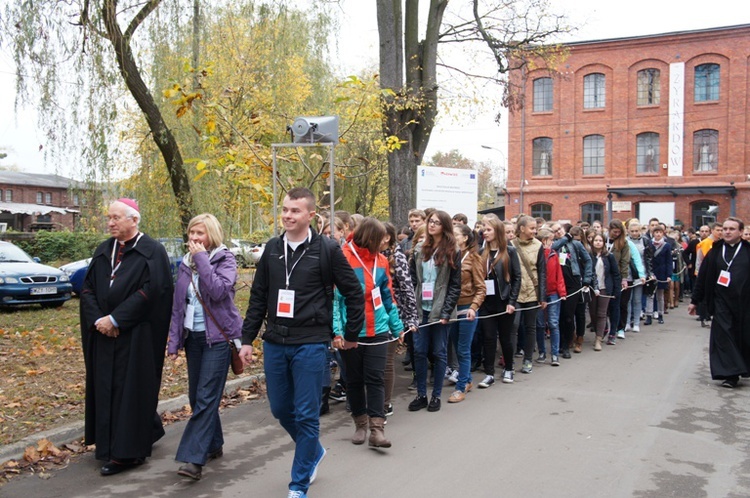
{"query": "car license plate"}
[(36, 291)]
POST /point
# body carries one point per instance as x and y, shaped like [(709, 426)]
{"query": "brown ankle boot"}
[(578, 344), (377, 436), (360, 429), (598, 344)]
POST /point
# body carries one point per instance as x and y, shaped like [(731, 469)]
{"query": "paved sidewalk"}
[(74, 431), (639, 419)]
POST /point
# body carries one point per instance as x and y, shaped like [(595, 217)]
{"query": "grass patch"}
[(42, 375)]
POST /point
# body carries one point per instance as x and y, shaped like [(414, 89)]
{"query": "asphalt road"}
[(639, 419)]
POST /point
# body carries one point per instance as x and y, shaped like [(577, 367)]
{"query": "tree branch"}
[(140, 17)]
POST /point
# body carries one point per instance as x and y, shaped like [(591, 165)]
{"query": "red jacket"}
[(555, 281)]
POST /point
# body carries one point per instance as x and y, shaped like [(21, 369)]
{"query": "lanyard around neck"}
[(724, 255), (374, 266), (287, 271)]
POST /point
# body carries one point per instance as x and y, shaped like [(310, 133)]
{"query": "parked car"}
[(256, 252), (23, 280), (241, 250), (175, 250), (76, 271)]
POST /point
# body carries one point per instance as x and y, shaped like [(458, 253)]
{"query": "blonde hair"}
[(213, 229)]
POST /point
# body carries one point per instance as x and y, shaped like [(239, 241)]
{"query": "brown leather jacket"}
[(473, 289)]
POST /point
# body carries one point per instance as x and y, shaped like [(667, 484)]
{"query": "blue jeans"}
[(207, 375), (294, 375), (461, 336), (634, 306), (435, 339), (552, 313)]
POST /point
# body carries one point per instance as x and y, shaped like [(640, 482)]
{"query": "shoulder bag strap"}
[(208, 311), (527, 265)]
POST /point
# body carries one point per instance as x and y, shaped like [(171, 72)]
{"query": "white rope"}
[(482, 317)]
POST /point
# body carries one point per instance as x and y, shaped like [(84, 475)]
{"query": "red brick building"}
[(621, 122), (30, 202)]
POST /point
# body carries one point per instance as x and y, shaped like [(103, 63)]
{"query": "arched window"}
[(542, 94), (594, 91), (706, 150), (542, 210), (649, 91), (542, 152), (647, 153), (593, 155), (707, 79), (703, 212), (592, 211)]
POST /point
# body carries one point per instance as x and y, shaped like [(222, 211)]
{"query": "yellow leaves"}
[(185, 100), (391, 143), (172, 92)]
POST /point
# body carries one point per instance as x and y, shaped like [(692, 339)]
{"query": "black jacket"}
[(313, 309), (612, 277), (508, 291)]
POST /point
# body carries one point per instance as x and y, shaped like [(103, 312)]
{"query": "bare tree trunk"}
[(162, 135), (410, 108)]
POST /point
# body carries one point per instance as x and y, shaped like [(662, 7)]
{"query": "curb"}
[(74, 431)]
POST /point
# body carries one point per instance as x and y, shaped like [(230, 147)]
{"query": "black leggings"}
[(492, 328)]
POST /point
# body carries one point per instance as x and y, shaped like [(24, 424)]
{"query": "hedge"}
[(61, 246)]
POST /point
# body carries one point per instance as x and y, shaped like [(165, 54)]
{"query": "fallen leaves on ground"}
[(45, 456), (41, 458), (42, 375)]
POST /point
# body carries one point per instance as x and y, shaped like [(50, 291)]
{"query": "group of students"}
[(461, 291), (448, 292)]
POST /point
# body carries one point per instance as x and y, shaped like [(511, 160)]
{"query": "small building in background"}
[(30, 202)]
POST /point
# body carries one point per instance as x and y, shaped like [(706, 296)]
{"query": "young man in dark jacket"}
[(292, 290)]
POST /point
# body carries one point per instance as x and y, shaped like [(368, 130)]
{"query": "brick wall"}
[(621, 120)]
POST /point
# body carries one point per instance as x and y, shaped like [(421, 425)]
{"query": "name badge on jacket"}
[(427, 291), (724, 278), (285, 304)]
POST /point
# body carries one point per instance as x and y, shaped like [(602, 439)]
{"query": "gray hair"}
[(130, 212)]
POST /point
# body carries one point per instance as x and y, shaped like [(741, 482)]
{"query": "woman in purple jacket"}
[(204, 319)]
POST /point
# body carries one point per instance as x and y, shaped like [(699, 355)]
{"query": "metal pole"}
[(275, 195), (523, 142), (333, 180)]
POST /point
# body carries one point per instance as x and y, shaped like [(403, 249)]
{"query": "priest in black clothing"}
[(126, 303), (723, 283)]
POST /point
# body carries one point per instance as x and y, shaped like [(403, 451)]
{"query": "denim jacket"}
[(216, 280)]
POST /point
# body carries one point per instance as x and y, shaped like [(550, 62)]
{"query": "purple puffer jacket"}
[(216, 280)]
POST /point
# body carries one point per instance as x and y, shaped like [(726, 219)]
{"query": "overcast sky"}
[(358, 48)]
